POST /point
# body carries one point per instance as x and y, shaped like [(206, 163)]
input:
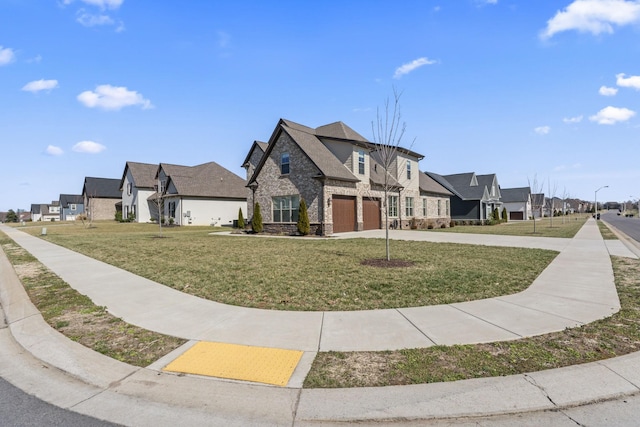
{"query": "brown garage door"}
[(516, 216), (371, 213), (344, 214)]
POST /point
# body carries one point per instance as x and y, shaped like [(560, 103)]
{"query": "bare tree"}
[(537, 198), (387, 135), (565, 197), (159, 203), (552, 195)]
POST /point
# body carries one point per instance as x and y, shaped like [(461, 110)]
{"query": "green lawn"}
[(304, 273), (544, 227)]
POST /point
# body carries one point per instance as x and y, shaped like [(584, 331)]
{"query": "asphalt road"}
[(629, 226), (20, 409)]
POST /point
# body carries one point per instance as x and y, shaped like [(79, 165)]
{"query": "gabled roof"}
[(143, 174), (467, 186), (488, 181), (430, 185), (257, 145), (339, 130), (328, 164), (67, 199), (513, 195), (36, 208), (538, 199), (209, 180), (310, 141), (102, 188)]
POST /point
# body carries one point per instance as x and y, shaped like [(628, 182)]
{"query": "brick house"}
[(102, 197), (339, 175)]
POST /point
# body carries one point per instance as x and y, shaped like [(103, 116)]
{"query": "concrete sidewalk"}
[(576, 288)]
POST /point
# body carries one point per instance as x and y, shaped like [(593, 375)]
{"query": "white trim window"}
[(361, 162), (424, 207), (285, 208), (408, 169), (408, 206), (439, 207), (392, 207)]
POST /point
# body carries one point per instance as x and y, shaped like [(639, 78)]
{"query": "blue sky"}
[(520, 88)]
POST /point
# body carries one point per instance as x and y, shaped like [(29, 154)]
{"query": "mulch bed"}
[(384, 263)]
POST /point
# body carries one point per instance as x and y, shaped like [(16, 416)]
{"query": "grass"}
[(614, 336), (545, 227), (606, 232), (610, 337), (78, 318), (305, 273)]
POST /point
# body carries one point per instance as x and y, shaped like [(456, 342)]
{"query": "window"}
[(408, 206), (285, 209), (393, 206), (408, 169), (72, 206), (361, 162), (284, 164), (447, 207), (424, 207), (129, 188), (172, 209), (439, 207)]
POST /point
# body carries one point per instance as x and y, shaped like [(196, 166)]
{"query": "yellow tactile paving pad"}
[(238, 362)]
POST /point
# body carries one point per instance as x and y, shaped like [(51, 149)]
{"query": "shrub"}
[(256, 221), (452, 223), (118, 216), (303, 219), (504, 215), (240, 219)]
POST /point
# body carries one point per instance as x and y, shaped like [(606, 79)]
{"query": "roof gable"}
[(429, 185), (142, 174), (208, 180), (104, 188), (513, 195)]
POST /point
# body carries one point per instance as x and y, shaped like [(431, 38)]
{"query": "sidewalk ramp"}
[(238, 362)]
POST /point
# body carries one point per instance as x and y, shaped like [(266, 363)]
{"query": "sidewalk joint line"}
[(485, 320), (415, 326)]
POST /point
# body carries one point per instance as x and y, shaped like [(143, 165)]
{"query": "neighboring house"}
[(36, 212), (100, 197), (475, 197), (538, 205), (206, 194), (517, 202), (338, 173), (71, 205), (136, 185)]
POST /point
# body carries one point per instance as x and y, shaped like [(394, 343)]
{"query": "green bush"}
[(256, 221), (240, 219), (303, 219), (504, 215)]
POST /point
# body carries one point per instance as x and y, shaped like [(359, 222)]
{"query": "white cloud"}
[(38, 85), (593, 16), (7, 56), (409, 67), (114, 98), (90, 20), (88, 147), (631, 81), (612, 115), (102, 4), (542, 130), (483, 2), (607, 91), (576, 119), (52, 150)]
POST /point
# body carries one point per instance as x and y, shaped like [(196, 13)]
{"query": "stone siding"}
[(101, 209)]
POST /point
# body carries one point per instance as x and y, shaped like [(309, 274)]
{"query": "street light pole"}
[(595, 197)]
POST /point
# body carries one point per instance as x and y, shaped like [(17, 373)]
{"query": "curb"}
[(66, 374)]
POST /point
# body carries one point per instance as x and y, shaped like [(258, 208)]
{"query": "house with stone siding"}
[(102, 197), (338, 173)]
